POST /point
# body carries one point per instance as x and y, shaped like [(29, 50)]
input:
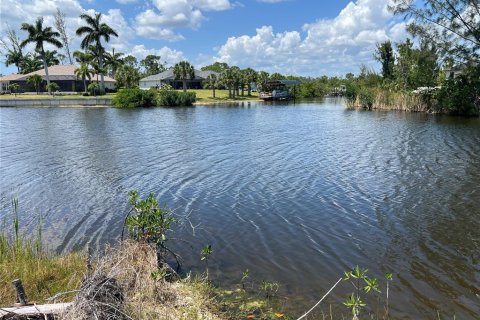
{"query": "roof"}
[(168, 75), (58, 72)]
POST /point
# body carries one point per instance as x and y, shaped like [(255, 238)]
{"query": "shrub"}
[(134, 98), (172, 98)]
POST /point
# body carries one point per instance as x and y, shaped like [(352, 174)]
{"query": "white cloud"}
[(168, 55), (161, 21), (332, 46)]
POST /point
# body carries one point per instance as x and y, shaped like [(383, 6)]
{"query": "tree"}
[(384, 54), (83, 57), (452, 24), (12, 50), (227, 77), (84, 72), (53, 87), (131, 61), (113, 61), (184, 71), (93, 87), (35, 80), (94, 31), (127, 76), (250, 77), (218, 67), (262, 80), (211, 82), (14, 87), (61, 26), (152, 65), (30, 63), (52, 58), (39, 35)]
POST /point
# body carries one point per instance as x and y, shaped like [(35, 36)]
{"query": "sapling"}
[(205, 254)]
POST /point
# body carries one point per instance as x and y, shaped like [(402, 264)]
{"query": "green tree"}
[(218, 67), (131, 61), (84, 72), (52, 87), (39, 35), (52, 58), (10, 47), (250, 77), (94, 31), (14, 87), (113, 61), (452, 24), (30, 63), (93, 88), (211, 82), (384, 54), (227, 77), (262, 80), (152, 65), (35, 80), (15, 58), (127, 76), (184, 71), (83, 57)]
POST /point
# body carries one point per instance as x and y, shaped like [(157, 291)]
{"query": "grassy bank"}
[(206, 96)]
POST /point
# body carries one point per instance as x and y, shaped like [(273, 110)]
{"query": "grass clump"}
[(43, 274)]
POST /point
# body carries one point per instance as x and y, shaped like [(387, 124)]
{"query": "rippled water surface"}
[(295, 193)]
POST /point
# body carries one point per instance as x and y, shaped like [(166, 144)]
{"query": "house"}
[(63, 75), (167, 77)]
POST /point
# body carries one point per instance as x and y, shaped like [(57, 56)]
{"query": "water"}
[(294, 193)]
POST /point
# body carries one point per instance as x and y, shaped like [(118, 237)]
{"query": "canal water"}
[(294, 193)]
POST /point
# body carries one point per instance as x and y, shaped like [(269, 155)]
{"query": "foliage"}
[(39, 35), (152, 65), (127, 76), (205, 255), (93, 32), (25, 258), (134, 98), (84, 72), (93, 88), (171, 98), (52, 86), (452, 24), (211, 82), (14, 87), (183, 71), (461, 95), (218, 67), (35, 80), (113, 62), (384, 54)]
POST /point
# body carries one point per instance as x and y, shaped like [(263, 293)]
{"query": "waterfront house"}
[(167, 77), (63, 75)]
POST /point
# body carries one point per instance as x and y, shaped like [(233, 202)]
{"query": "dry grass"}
[(206, 96), (133, 293)]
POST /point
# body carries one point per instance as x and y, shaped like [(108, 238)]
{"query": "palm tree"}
[(250, 77), (228, 79), (113, 61), (14, 57), (82, 57), (35, 80), (84, 72), (30, 63), (39, 35), (94, 31), (211, 82), (262, 80), (183, 71), (52, 58)]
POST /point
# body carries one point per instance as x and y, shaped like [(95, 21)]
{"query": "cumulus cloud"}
[(14, 13), (331, 46), (161, 21)]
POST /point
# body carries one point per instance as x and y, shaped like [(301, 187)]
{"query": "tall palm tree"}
[(94, 31), (82, 57), (39, 35), (183, 71), (227, 77), (84, 72), (113, 61)]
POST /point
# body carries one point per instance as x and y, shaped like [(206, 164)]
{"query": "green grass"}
[(206, 96), (42, 274)]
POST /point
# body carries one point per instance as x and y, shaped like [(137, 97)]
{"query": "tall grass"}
[(24, 257)]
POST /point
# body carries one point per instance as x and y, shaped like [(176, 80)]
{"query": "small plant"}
[(245, 276), (151, 224), (93, 88), (160, 274), (14, 87), (269, 288), (205, 255), (53, 87)]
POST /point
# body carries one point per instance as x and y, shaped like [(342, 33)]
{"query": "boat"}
[(278, 90)]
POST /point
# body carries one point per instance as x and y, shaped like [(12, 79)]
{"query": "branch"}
[(324, 296)]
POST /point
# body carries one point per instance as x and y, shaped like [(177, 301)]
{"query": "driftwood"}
[(36, 310)]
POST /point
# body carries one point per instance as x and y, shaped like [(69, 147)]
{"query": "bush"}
[(366, 98), (134, 98), (172, 98)]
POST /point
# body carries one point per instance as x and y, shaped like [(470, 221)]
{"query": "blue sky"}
[(300, 37)]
